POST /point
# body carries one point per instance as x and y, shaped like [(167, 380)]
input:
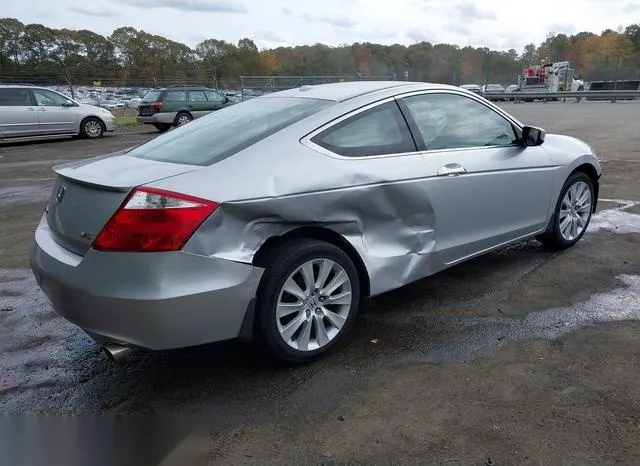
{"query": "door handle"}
[(451, 169), (42, 109), (31, 109)]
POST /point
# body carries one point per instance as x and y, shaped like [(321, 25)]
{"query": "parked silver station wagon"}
[(31, 112), (275, 217)]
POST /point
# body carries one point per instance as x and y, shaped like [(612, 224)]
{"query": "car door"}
[(216, 100), (198, 104), (484, 187), (57, 113), (18, 115)]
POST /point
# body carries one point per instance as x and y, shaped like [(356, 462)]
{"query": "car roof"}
[(347, 90), (181, 88)]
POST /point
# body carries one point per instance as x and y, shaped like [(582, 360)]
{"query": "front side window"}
[(450, 121), (176, 96), (377, 131), (14, 97), (49, 98), (197, 96)]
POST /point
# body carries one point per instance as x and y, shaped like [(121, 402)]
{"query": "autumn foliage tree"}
[(37, 53)]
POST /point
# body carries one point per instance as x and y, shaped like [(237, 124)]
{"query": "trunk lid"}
[(87, 193)]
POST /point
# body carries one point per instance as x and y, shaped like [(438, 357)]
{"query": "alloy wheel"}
[(575, 211), (93, 129), (314, 304)]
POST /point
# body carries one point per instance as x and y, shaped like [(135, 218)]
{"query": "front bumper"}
[(150, 300), (110, 124)]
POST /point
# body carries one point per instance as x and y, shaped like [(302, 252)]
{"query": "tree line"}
[(130, 57)]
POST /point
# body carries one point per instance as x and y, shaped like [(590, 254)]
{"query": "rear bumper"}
[(150, 300), (165, 118)]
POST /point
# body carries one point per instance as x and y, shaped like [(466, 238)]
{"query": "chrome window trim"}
[(306, 140)]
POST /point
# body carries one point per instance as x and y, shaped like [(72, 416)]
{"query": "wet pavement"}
[(50, 365), (524, 356)]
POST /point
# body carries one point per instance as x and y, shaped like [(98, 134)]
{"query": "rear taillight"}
[(156, 106), (153, 220)]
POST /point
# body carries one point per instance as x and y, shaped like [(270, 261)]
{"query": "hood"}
[(94, 109), (570, 144)]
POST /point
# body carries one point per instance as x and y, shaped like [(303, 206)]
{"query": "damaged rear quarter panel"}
[(379, 205)]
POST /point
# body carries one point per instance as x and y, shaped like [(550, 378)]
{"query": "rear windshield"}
[(151, 96), (223, 133)]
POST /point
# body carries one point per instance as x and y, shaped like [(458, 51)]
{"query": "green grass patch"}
[(126, 120)]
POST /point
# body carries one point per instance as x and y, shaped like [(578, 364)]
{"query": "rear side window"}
[(176, 96), (214, 96), (152, 96), (223, 133), (18, 97), (378, 131)]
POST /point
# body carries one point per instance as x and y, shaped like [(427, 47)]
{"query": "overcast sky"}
[(498, 24)]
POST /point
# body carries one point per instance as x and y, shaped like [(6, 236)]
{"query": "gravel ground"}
[(519, 357)]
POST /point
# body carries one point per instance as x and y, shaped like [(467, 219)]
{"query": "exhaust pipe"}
[(117, 352)]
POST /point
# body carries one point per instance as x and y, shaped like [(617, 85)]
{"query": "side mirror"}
[(532, 136), (68, 103)]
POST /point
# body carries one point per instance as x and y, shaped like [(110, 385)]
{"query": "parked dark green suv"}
[(178, 105)]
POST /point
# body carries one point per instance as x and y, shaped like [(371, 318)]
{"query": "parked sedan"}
[(473, 88), (494, 89), (31, 112), (275, 217)]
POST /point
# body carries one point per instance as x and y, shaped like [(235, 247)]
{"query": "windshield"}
[(151, 96), (227, 131)]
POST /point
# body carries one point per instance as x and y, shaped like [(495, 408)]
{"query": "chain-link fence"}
[(257, 85)]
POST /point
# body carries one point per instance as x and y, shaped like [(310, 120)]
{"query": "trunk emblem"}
[(61, 192)]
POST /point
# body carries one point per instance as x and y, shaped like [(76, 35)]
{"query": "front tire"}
[(92, 128), (307, 300), (572, 214)]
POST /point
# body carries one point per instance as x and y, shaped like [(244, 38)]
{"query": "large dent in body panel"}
[(390, 225)]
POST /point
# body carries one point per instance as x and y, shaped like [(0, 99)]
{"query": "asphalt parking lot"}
[(522, 356)]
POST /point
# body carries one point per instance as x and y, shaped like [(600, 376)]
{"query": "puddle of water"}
[(473, 335), (24, 194), (617, 219)]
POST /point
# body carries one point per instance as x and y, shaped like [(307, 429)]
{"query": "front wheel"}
[(572, 214), (91, 128), (307, 301)]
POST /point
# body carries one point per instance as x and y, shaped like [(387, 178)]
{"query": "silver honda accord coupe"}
[(274, 218)]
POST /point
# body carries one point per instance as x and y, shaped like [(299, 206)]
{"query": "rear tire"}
[(182, 119), (301, 315), (92, 128), (572, 214), (162, 127)]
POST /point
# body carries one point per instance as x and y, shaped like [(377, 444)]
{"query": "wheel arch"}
[(589, 170), (327, 235), (91, 117), (83, 121)]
